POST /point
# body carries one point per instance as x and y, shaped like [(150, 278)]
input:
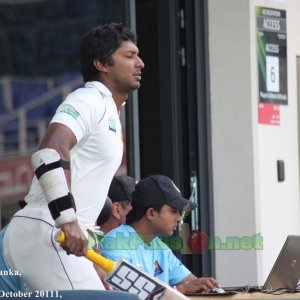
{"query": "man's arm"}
[(60, 138), (192, 284)]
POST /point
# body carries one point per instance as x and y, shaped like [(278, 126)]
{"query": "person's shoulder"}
[(85, 93), (126, 229), (113, 238), (99, 88), (86, 99)]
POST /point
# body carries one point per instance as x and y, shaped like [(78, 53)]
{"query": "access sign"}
[(272, 55)]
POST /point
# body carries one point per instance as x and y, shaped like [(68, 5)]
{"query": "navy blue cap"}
[(105, 213), (121, 188), (159, 189)]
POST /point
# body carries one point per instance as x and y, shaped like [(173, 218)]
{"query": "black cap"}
[(105, 213), (159, 189), (121, 188)]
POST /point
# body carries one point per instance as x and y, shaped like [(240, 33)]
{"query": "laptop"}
[(285, 273), (286, 270)]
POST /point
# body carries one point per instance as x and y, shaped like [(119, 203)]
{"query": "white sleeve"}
[(81, 111)]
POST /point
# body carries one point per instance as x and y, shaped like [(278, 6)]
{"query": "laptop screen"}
[(286, 270)]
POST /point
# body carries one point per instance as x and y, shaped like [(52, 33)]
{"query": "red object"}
[(269, 114), (198, 242), (15, 177)]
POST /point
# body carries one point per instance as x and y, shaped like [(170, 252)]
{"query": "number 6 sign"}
[(272, 73)]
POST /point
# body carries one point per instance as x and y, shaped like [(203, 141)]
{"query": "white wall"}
[(279, 202), (248, 199)]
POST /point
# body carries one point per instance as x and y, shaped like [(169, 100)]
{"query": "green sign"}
[(272, 55)]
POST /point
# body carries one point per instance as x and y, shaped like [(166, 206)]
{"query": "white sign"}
[(272, 70)]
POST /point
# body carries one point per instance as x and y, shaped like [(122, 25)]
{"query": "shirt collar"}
[(131, 229), (101, 87)]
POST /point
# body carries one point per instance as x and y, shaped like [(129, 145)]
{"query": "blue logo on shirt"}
[(157, 269)]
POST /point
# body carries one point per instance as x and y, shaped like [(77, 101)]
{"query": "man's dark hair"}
[(137, 213), (99, 44), (124, 203)]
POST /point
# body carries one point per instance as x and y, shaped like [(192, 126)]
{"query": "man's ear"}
[(116, 210), (99, 66), (150, 213)]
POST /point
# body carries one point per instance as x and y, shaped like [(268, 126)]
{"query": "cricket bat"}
[(126, 277)]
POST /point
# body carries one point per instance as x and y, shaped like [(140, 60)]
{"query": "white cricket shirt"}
[(91, 113)]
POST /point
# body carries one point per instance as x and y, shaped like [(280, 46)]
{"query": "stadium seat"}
[(26, 90), (66, 77), (2, 107)]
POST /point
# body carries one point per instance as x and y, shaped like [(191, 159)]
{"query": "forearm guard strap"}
[(48, 168)]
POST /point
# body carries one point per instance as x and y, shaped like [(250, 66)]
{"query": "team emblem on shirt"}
[(157, 269), (112, 124)]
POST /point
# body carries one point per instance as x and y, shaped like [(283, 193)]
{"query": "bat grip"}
[(106, 264)]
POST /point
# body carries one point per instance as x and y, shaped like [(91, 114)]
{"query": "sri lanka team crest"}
[(157, 269), (112, 124)]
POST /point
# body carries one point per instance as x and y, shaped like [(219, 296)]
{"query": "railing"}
[(19, 135)]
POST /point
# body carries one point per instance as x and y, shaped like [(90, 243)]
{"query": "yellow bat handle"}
[(106, 264)]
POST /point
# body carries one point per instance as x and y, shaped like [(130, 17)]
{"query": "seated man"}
[(115, 209), (157, 204), (119, 193)]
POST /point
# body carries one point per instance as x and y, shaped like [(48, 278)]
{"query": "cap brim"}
[(181, 203)]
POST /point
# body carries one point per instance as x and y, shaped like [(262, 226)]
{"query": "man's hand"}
[(75, 241), (204, 284)]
